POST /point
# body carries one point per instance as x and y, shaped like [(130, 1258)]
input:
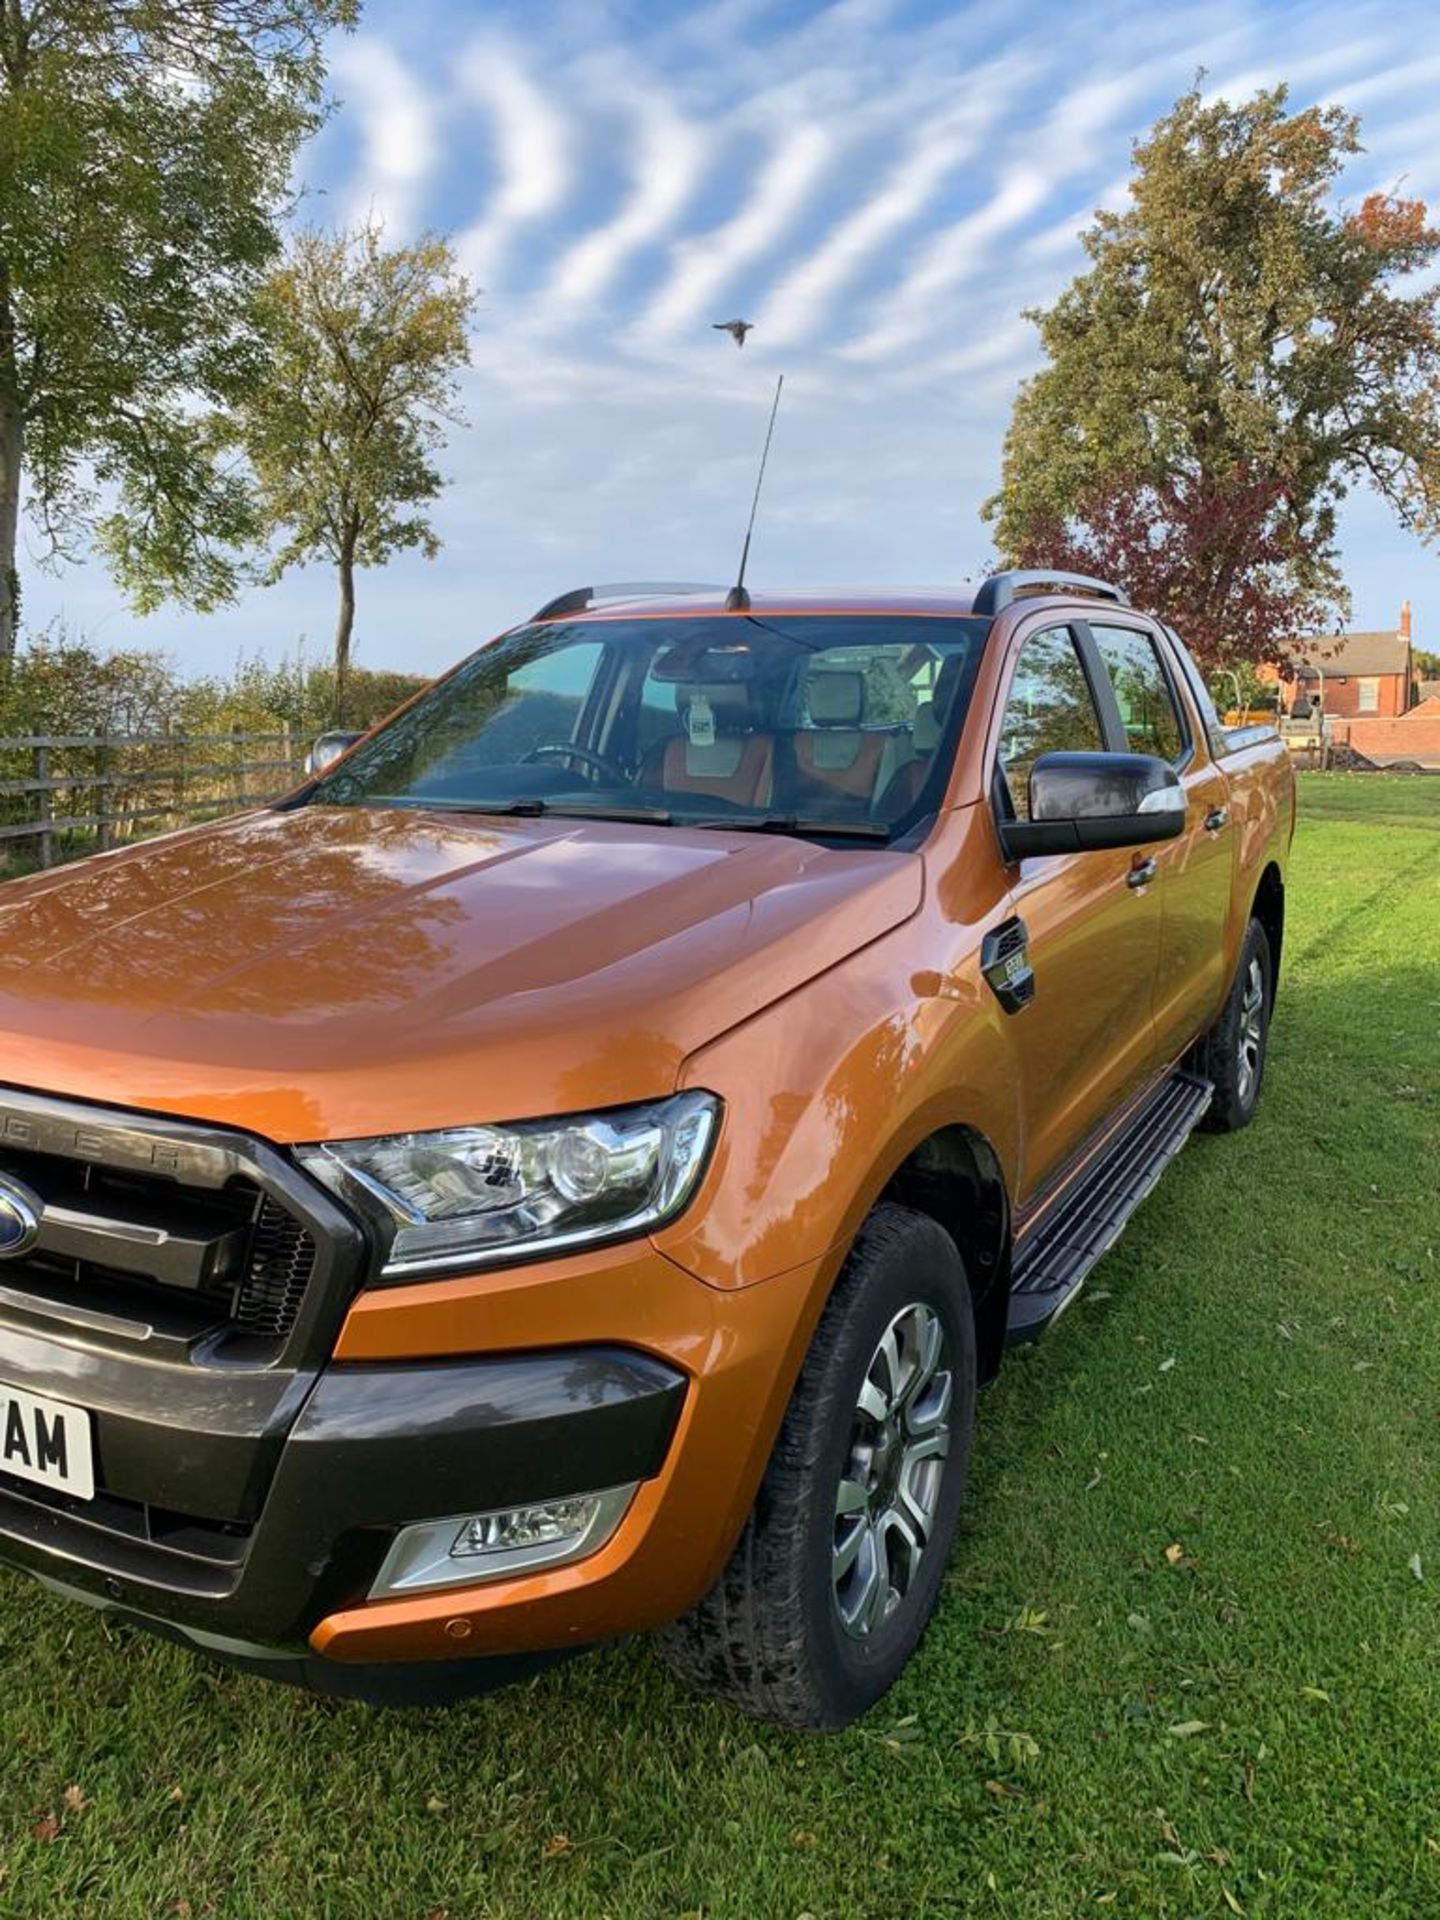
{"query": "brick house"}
[(1351, 675)]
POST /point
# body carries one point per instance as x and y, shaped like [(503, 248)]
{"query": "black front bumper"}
[(371, 1449)]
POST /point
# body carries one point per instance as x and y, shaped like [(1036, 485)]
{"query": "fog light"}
[(463, 1549), (525, 1526)]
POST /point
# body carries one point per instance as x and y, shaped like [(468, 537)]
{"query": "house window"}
[(1369, 696)]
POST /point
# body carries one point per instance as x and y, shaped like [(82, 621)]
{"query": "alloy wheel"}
[(889, 1491), (1252, 1032)]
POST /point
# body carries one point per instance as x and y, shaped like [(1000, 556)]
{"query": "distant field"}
[(1189, 1659)]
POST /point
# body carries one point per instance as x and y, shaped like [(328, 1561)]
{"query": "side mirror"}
[(1083, 801), (327, 750)]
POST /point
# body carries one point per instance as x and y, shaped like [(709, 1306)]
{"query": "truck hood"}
[(338, 972)]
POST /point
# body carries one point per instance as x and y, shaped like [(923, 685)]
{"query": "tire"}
[(1232, 1056), (780, 1636)]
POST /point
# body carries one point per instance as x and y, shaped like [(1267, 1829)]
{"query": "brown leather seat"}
[(733, 763), (835, 754)]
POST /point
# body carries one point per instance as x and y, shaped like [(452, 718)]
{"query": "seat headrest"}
[(925, 728), (835, 698)]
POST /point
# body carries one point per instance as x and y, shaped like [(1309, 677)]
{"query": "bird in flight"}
[(737, 329)]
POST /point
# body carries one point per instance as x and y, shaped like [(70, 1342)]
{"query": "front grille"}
[(200, 1242), (143, 1246), (282, 1260)]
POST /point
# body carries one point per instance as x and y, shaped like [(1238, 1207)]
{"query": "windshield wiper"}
[(798, 823), (533, 807)]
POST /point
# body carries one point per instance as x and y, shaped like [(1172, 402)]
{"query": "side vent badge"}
[(1005, 963)]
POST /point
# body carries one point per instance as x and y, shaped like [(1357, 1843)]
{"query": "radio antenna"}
[(738, 599)]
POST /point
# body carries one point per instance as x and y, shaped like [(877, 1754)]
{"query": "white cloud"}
[(531, 153), (667, 156), (397, 118), (708, 263), (947, 259), (797, 306), (1064, 143)]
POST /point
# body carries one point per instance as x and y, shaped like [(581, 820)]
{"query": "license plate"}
[(46, 1441)]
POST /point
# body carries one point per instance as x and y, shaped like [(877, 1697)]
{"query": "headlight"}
[(472, 1196)]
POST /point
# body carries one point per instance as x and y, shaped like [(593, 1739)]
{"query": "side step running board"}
[(1058, 1247)]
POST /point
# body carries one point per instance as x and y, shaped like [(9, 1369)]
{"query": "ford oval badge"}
[(20, 1212)]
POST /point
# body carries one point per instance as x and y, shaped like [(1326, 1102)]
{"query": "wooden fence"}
[(66, 795)]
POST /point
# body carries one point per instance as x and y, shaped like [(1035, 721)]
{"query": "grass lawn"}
[(1189, 1658)]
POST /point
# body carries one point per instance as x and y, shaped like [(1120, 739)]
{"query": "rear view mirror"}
[(685, 664), (327, 750), (1083, 801)]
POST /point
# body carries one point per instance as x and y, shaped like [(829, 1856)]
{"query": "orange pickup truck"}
[(566, 1170)]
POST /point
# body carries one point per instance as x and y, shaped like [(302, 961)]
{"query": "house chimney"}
[(1405, 620)]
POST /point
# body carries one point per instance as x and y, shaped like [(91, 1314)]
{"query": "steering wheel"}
[(599, 763)]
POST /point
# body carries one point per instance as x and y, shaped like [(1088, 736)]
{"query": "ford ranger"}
[(566, 1170)]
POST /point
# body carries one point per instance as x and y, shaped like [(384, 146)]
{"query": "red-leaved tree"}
[(1214, 556)]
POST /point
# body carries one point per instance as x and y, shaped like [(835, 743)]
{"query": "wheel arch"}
[(955, 1178), (1268, 907)]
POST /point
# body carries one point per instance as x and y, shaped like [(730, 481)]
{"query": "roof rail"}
[(1001, 589), (580, 598)]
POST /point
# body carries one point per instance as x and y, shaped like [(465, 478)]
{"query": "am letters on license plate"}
[(46, 1441)]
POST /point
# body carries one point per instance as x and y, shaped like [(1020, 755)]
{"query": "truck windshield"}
[(807, 723)]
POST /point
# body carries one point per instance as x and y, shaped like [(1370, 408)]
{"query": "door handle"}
[(1141, 874), (1216, 819)]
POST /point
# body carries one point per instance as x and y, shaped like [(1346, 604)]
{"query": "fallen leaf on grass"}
[(1231, 1902), (1187, 1729), (1167, 1363), (802, 1837), (1416, 1566), (1030, 1620), (1343, 1541), (556, 1846), (76, 1799), (904, 1733), (1002, 1790), (46, 1827), (1174, 1553), (1315, 1693)]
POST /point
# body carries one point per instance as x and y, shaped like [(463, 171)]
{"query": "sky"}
[(880, 186)]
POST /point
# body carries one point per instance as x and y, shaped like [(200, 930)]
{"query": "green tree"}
[(145, 154), (1241, 351), (367, 344)]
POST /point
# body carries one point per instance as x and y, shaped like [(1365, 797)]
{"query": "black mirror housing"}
[(1082, 802)]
